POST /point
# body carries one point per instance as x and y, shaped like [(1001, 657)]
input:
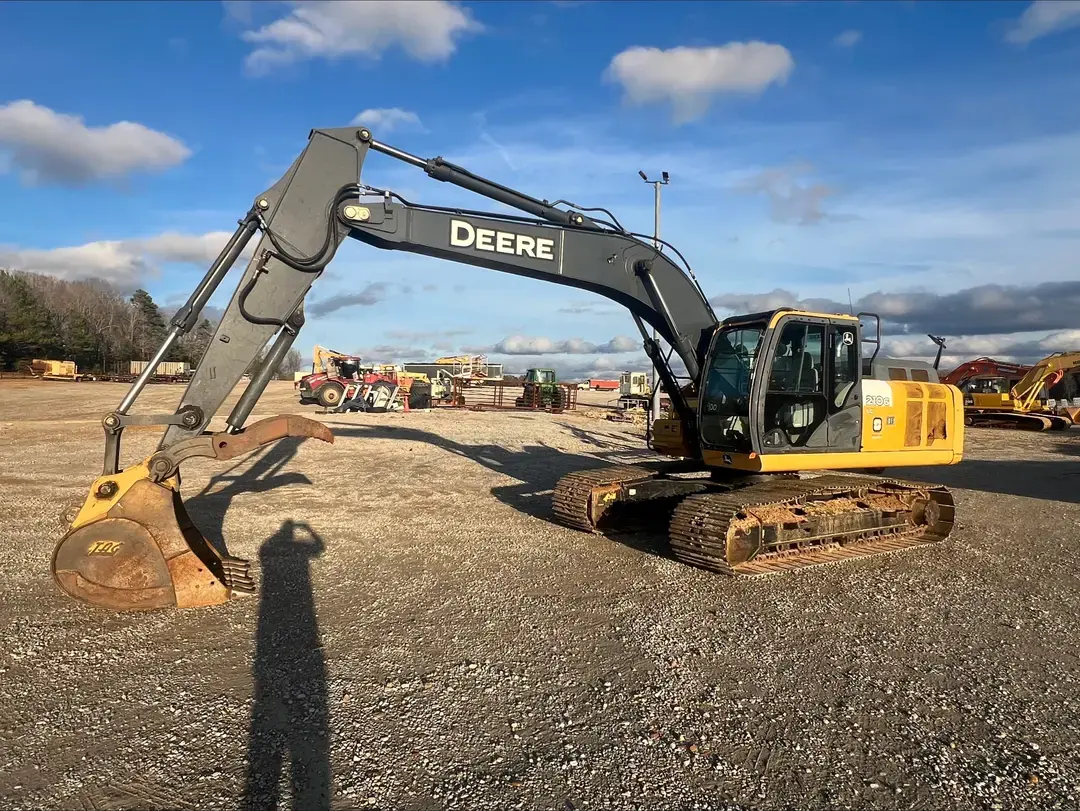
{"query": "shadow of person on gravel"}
[(537, 468), (209, 507), (290, 716)]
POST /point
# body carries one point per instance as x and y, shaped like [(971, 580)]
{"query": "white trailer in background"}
[(634, 391)]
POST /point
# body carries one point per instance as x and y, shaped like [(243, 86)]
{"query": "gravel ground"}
[(426, 638)]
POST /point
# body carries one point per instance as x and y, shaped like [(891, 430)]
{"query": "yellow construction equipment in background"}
[(1021, 407), (55, 370)]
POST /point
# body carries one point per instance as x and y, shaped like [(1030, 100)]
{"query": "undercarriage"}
[(747, 525), (1017, 420)]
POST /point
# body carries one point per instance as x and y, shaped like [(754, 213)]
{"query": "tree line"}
[(92, 323)]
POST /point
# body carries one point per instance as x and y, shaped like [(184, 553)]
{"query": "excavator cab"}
[(789, 386), (790, 390)]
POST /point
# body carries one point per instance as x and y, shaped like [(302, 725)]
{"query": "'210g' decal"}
[(876, 393)]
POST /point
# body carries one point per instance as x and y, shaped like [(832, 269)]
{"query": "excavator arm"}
[(1047, 371), (983, 367), (318, 203), (131, 545)]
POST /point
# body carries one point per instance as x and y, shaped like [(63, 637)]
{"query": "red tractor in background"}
[(331, 373)]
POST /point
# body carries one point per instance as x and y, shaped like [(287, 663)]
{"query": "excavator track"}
[(1018, 421), (789, 524), (581, 498)]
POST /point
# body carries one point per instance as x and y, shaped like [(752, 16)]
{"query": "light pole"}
[(656, 184)]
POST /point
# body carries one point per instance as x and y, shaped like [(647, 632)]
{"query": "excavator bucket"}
[(133, 546), (1072, 412)]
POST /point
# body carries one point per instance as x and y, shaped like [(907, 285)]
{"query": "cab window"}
[(795, 403), (797, 365), (845, 365), (725, 402)]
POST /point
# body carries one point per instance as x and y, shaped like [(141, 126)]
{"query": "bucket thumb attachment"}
[(133, 547)]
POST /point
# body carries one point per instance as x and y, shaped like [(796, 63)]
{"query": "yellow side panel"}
[(912, 416)]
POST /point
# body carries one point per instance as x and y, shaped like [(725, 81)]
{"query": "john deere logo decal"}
[(108, 548)]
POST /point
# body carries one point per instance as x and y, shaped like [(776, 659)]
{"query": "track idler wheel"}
[(133, 546)]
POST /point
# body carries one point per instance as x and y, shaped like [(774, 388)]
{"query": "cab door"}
[(794, 407), (844, 387), (724, 405), (810, 401)]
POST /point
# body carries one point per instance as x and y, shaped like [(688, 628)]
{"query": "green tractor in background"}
[(542, 390)]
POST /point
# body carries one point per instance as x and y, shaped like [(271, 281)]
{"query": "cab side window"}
[(845, 365), (797, 367)]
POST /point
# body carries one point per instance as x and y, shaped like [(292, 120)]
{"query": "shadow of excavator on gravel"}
[(290, 725), (537, 468), (244, 478)]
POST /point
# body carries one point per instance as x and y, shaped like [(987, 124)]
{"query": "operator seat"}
[(801, 412)]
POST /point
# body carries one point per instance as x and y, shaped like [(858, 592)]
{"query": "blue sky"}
[(911, 153)]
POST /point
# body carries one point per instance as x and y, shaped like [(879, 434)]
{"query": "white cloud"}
[(1011, 348), (688, 78), (427, 30), (848, 39), (572, 367), (789, 201), (50, 147), (1043, 17), (522, 345), (124, 263), (387, 119), (199, 249)]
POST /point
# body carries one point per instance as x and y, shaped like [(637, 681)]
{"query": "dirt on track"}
[(425, 637)]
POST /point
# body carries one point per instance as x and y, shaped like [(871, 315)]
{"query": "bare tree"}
[(289, 365)]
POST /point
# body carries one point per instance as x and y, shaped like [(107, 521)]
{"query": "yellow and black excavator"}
[(1020, 406), (761, 397)]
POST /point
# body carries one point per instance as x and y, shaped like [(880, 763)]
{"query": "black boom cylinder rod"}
[(187, 315), (447, 172)]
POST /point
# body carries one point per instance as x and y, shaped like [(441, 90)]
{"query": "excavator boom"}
[(984, 367), (1047, 371), (318, 203), (133, 520)]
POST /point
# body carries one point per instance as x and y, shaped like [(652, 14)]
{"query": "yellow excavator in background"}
[(770, 412), (1021, 406)]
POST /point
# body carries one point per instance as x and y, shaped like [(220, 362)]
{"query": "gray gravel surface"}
[(426, 638)]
